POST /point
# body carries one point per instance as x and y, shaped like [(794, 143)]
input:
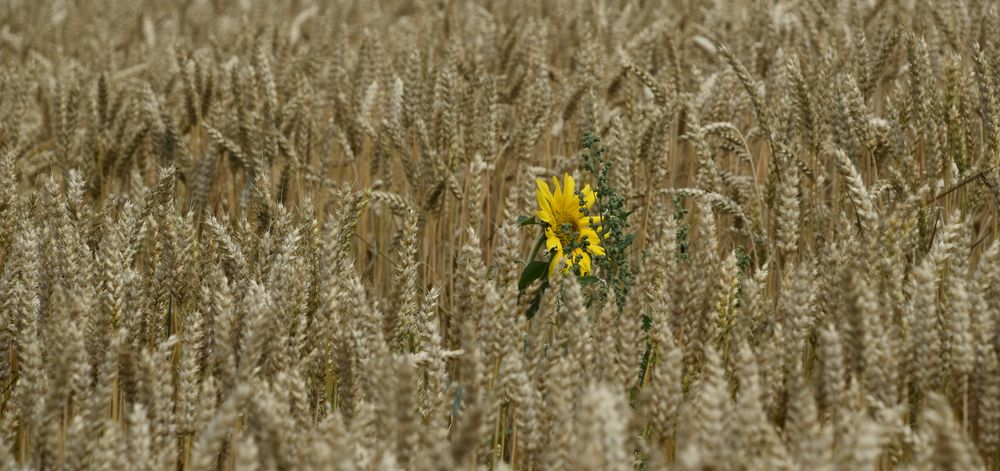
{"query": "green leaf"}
[(533, 271), (536, 302), (625, 242), (527, 221), (588, 280)]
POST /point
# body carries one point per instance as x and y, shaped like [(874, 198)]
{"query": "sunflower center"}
[(566, 229)]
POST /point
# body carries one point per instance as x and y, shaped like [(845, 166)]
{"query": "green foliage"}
[(535, 270), (536, 300), (615, 235), (743, 259), (612, 270), (682, 228), (528, 221)]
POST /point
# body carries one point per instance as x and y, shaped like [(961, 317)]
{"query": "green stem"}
[(538, 245)]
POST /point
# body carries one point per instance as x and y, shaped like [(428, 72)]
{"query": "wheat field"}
[(300, 234)]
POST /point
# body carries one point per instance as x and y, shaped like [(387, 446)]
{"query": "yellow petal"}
[(570, 188), (594, 242), (551, 241), (584, 264), (596, 250), (545, 215), (588, 221), (543, 194), (588, 196), (555, 261), (543, 188)]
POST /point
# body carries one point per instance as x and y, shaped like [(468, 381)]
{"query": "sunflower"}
[(568, 229)]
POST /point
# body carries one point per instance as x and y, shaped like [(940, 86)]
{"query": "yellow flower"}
[(568, 227)]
